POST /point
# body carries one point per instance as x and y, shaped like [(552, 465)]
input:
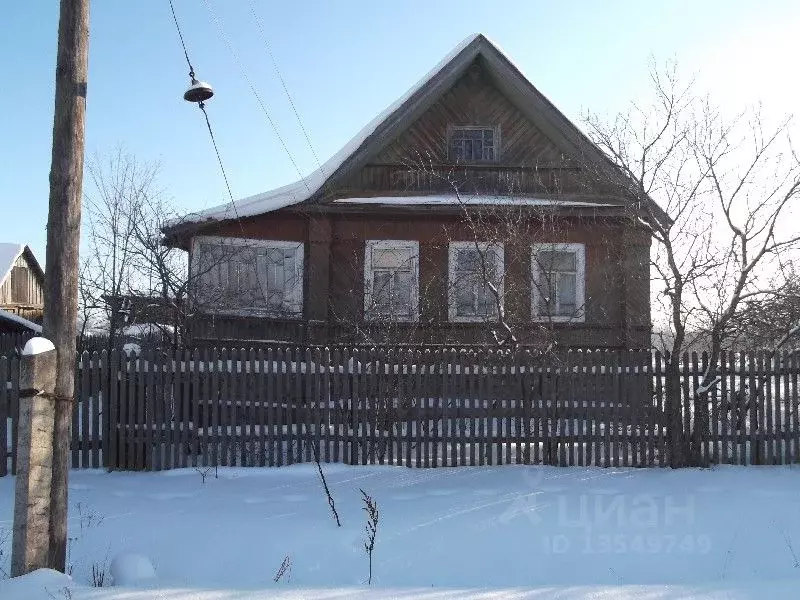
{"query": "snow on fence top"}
[(37, 345)]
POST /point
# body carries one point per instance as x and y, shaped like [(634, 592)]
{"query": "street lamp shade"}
[(199, 91)]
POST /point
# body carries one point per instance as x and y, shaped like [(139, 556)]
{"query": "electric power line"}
[(283, 84), (202, 107), (180, 35), (238, 61)]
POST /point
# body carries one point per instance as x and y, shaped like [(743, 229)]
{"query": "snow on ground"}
[(467, 532)]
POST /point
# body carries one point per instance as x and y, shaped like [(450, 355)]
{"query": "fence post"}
[(31, 544)]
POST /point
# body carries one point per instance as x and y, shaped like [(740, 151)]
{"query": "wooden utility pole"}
[(63, 238)]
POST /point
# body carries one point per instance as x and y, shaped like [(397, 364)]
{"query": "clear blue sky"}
[(343, 61)]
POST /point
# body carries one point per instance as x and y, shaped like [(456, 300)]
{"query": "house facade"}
[(470, 211), (21, 282)]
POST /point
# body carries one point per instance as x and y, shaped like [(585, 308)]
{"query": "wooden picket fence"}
[(435, 407)]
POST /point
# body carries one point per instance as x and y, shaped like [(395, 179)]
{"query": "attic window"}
[(473, 144)]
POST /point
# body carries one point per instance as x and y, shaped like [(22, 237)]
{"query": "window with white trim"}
[(475, 270), (558, 277), (248, 277), (473, 143), (391, 280)]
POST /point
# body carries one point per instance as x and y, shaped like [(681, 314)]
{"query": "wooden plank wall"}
[(419, 407)]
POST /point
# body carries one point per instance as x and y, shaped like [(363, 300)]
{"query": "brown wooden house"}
[(21, 282), (469, 210)]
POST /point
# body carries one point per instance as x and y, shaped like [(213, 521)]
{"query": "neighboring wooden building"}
[(469, 207), (21, 282)]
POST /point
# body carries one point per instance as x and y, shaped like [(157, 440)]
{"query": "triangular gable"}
[(380, 132), (9, 253)]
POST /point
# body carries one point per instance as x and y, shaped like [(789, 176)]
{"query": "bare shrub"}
[(371, 528)]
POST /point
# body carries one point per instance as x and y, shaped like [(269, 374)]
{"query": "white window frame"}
[(495, 139), (413, 246), (295, 300), (580, 283), (451, 276)]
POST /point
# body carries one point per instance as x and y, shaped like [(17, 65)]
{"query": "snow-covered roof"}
[(469, 200), (16, 319), (416, 99), (9, 253), (299, 191)]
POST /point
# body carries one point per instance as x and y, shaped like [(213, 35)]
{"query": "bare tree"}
[(723, 189), (121, 186)]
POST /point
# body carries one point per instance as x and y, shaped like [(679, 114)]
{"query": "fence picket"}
[(777, 379), (451, 402), (656, 418), (279, 428), (723, 422), (769, 417), (795, 402), (788, 407), (98, 375), (157, 395), (5, 401)]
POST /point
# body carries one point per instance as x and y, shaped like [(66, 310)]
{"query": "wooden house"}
[(470, 211), (21, 282)]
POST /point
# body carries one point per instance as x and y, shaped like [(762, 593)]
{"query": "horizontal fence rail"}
[(280, 405)]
